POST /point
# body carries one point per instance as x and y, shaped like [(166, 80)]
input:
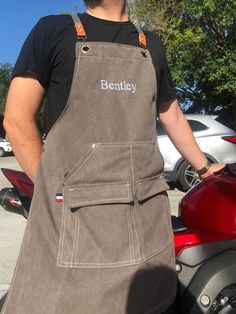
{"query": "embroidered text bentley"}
[(118, 86)]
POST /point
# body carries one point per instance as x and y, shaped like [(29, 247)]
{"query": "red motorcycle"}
[(205, 244), (205, 240)]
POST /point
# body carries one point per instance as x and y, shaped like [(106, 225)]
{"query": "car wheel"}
[(2, 152), (188, 176)]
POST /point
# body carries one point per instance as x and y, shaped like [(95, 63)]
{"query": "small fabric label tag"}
[(59, 198)]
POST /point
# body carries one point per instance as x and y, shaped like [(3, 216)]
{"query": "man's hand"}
[(213, 168), (181, 135), (23, 102)]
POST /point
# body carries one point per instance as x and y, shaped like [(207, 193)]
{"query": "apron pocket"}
[(154, 214), (151, 186), (96, 227), (95, 195)]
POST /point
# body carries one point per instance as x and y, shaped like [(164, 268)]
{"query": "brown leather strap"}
[(143, 40), (142, 37), (82, 34), (79, 26)]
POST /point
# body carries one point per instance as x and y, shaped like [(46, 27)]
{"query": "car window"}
[(197, 126), (226, 122), (194, 125)]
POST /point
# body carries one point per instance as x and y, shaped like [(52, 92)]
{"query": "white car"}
[(5, 147), (217, 141)]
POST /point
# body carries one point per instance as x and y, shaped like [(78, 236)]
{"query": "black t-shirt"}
[(49, 54)]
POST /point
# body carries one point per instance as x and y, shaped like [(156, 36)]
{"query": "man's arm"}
[(23, 102), (182, 137)]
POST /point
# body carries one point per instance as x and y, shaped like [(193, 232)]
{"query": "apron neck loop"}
[(142, 40), (80, 31), (81, 34)]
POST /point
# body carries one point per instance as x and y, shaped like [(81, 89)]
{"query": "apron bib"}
[(98, 238)]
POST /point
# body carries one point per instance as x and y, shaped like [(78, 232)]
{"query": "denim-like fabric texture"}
[(108, 248)]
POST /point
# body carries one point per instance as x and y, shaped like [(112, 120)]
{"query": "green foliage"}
[(200, 37), (75, 10), (5, 77)]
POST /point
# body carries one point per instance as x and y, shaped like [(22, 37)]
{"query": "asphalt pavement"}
[(12, 227)]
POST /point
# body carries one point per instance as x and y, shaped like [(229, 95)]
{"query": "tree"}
[(5, 77), (75, 10), (200, 39)]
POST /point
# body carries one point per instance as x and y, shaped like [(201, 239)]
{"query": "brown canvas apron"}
[(99, 239)]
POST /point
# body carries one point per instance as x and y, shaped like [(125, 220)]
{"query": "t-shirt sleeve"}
[(165, 84), (34, 57)]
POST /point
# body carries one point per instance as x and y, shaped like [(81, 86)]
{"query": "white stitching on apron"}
[(135, 230), (69, 176), (102, 58), (122, 264), (99, 200), (128, 214), (81, 204), (142, 232), (76, 240), (60, 247)]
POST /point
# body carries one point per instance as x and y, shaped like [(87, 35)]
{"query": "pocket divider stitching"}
[(150, 186), (124, 195)]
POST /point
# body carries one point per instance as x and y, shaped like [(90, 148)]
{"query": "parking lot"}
[(12, 227)]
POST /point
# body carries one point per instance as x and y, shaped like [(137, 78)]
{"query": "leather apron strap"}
[(81, 34)]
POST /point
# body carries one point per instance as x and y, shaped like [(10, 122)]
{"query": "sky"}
[(17, 18)]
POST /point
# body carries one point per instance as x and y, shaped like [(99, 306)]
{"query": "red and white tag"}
[(59, 198)]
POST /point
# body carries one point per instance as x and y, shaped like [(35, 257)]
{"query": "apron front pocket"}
[(96, 229), (154, 214), (151, 186)]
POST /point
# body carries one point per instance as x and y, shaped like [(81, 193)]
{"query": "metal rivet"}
[(144, 53), (205, 300), (85, 49)]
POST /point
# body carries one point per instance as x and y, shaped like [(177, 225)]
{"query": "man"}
[(98, 238)]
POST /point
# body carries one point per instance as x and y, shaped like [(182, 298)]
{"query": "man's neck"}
[(112, 10)]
